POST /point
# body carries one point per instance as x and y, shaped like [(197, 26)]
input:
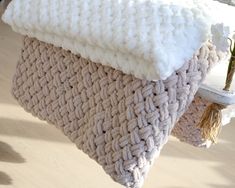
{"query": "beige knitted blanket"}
[(118, 120)]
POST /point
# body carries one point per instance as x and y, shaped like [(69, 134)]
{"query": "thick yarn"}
[(187, 130), (120, 121), (149, 38)]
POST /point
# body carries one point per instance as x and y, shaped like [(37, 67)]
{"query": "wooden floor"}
[(34, 154)]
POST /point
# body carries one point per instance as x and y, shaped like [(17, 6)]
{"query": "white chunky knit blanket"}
[(148, 38)]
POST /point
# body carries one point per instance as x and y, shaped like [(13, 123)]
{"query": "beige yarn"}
[(187, 130), (118, 120)]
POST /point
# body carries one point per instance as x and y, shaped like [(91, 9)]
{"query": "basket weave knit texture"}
[(118, 120), (187, 130)]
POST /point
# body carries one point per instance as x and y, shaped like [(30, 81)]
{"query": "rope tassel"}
[(211, 120)]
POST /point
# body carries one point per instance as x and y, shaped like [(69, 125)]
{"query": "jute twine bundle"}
[(211, 120)]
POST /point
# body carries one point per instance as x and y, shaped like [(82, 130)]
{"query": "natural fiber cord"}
[(211, 120), (118, 120)]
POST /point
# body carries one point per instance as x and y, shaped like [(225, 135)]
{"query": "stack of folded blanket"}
[(114, 76)]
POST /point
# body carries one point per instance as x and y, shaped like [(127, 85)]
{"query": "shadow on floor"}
[(9, 155), (32, 130), (42, 131), (5, 179)]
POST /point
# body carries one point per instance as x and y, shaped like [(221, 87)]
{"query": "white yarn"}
[(148, 38)]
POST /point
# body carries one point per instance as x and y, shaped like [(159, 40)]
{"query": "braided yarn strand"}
[(118, 120)]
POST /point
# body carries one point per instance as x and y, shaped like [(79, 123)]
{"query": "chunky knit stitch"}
[(118, 120), (149, 38), (187, 130)]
